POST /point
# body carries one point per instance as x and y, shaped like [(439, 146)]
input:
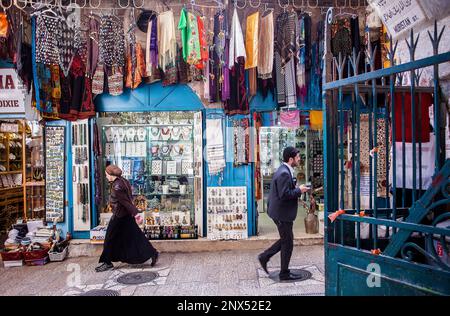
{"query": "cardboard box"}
[(97, 234)]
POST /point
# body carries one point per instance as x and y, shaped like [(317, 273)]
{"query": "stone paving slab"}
[(221, 273)]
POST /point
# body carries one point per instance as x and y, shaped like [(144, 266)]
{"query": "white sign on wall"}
[(399, 16), (12, 98)]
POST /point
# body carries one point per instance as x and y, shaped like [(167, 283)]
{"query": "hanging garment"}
[(136, 73), (224, 80), (301, 57), (315, 120), (215, 146), (266, 47), (87, 109), (290, 118), (237, 46), (47, 51), (148, 62), (251, 41), (77, 85), (341, 39), (66, 46), (286, 37), (111, 42), (281, 88), (204, 53), (92, 47), (190, 38), (4, 25), (291, 91), (167, 50), (422, 105), (115, 81), (238, 102)]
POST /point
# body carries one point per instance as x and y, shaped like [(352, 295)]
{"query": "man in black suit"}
[(282, 208)]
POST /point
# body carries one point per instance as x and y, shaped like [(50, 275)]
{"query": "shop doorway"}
[(272, 140)]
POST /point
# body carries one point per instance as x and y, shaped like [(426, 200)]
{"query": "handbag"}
[(115, 82), (98, 79)]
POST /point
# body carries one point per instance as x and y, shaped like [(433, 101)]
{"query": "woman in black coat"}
[(124, 240)]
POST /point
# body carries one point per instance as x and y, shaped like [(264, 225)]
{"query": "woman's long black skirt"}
[(125, 242)]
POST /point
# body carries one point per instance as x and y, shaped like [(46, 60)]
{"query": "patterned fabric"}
[(241, 142), (341, 40), (66, 46), (251, 41), (281, 88), (190, 38), (266, 47), (301, 55), (258, 124), (47, 51), (285, 39), (203, 43), (290, 118), (93, 49), (289, 77)]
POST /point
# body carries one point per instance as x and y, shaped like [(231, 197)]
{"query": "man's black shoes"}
[(290, 277), (104, 267), (154, 259), (263, 263)]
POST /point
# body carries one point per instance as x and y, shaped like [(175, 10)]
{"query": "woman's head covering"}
[(113, 170)]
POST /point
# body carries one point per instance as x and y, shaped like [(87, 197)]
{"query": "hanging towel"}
[(166, 40), (215, 146), (251, 41), (266, 47), (237, 46)]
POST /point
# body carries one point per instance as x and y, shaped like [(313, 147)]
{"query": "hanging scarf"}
[(251, 41), (203, 43), (301, 55), (237, 46), (148, 62), (166, 40), (266, 47), (285, 40), (215, 146)]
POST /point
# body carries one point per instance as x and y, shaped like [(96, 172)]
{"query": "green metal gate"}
[(388, 239)]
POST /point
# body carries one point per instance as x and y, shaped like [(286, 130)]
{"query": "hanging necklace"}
[(176, 133), (165, 133), (165, 150), (155, 132), (178, 149)]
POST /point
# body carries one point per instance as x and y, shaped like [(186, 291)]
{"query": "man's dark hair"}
[(289, 152)]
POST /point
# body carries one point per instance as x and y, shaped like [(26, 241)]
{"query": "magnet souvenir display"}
[(227, 213), (54, 173)]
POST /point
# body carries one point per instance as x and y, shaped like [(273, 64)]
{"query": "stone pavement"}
[(224, 273)]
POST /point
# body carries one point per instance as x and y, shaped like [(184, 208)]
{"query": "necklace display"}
[(176, 133), (155, 131)]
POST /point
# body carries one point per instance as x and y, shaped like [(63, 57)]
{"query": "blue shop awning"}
[(150, 97)]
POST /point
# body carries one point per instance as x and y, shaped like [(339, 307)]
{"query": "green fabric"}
[(183, 27), (194, 55)]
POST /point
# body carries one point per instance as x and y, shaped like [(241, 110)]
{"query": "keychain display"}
[(81, 175), (55, 173), (227, 213)]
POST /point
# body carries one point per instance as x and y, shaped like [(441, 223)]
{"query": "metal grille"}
[(304, 275), (101, 293), (137, 278)]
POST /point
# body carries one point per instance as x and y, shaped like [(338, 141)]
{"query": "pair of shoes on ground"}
[(104, 267), (289, 277)]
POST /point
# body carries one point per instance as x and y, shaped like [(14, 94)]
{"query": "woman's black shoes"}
[(154, 259), (104, 267)]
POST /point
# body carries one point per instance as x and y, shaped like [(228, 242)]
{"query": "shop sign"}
[(12, 99), (399, 16)]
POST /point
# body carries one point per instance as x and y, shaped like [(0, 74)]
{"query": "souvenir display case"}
[(35, 169), (12, 168), (55, 158), (81, 176), (227, 213), (160, 155)]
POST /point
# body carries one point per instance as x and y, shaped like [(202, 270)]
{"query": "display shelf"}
[(10, 172)]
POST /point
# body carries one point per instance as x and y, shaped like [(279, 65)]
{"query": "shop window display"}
[(156, 154), (273, 140), (35, 180)]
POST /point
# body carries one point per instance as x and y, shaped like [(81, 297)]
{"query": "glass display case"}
[(35, 181), (12, 142), (156, 154)]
